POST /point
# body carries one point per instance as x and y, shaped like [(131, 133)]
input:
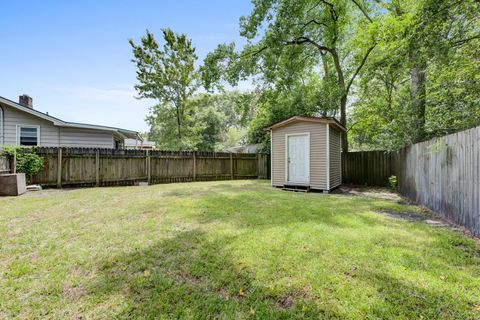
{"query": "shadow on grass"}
[(277, 208), (407, 300), (192, 276)]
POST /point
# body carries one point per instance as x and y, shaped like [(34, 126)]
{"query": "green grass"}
[(228, 250)]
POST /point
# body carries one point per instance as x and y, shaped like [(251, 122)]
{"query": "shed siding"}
[(335, 158), (318, 156), (50, 135), (12, 118)]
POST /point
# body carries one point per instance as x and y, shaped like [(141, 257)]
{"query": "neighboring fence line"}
[(442, 174), (67, 167), (4, 165), (372, 168)]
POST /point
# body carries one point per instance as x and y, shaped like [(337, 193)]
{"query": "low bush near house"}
[(28, 161)]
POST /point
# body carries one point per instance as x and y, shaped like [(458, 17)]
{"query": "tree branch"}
[(303, 40), (360, 67), (363, 11), (327, 3), (314, 22), (463, 41)]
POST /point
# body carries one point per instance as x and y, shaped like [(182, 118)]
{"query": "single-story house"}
[(306, 153), (22, 125), (249, 148), (139, 144)]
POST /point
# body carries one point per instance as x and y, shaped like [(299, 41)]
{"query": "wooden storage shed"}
[(306, 153)]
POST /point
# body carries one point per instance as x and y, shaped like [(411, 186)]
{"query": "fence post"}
[(97, 168), (59, 168), (194, 165), (149, 170), (257, 159), (231, 167), (14, 164)]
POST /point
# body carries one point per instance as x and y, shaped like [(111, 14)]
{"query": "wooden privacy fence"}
[(442, 174), (105, 167), (371, 168)]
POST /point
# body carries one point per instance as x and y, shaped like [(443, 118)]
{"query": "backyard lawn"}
[(233, 249)]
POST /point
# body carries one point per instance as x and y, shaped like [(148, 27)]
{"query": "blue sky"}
[(73, 57)]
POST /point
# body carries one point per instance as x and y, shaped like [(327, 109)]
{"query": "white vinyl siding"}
[(318, 158), (14, 118), (71, 137)]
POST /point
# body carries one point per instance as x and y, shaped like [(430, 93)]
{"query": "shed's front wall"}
[(318, 153), (51, 135)]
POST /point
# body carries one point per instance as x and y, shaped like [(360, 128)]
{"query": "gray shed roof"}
[(329, 120)]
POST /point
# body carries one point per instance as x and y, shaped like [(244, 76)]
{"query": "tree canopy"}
[(393, 72), (381, 67)]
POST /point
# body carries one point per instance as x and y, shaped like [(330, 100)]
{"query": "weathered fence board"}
[(4, 165), (442, 174), (105, 167)]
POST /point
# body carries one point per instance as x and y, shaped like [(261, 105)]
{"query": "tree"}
[(422, 79), (167, 75), (220, 119), (290, 38)]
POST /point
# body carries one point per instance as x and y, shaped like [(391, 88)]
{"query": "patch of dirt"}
[(403, 215), (371, 192), (416, 217), (73, 293), (285, 302)]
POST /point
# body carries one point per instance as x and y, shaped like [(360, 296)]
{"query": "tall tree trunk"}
[(343, 121), (419, 93), (179, 127), (343, 99), (325, 64)]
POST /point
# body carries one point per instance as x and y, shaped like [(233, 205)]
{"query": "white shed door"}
[(298, 158)]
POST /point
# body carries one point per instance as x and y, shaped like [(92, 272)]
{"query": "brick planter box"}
[(12, 184)]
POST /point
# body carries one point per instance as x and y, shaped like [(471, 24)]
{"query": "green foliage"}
[(167, 75), (437, 40), (305, 54), (437, 147), (394, 72), (393, 182), (417, 64), (213, 122), (220, 119), (28, 161)]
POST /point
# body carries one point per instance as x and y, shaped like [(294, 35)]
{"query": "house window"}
[(28, 135)]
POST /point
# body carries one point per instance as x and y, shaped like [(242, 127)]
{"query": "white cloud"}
[(118, 94)]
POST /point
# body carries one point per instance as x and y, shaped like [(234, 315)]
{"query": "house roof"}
[(58, 122), (329, 120)]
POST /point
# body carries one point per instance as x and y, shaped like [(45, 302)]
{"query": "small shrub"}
[(28, 161), (392, 180)]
